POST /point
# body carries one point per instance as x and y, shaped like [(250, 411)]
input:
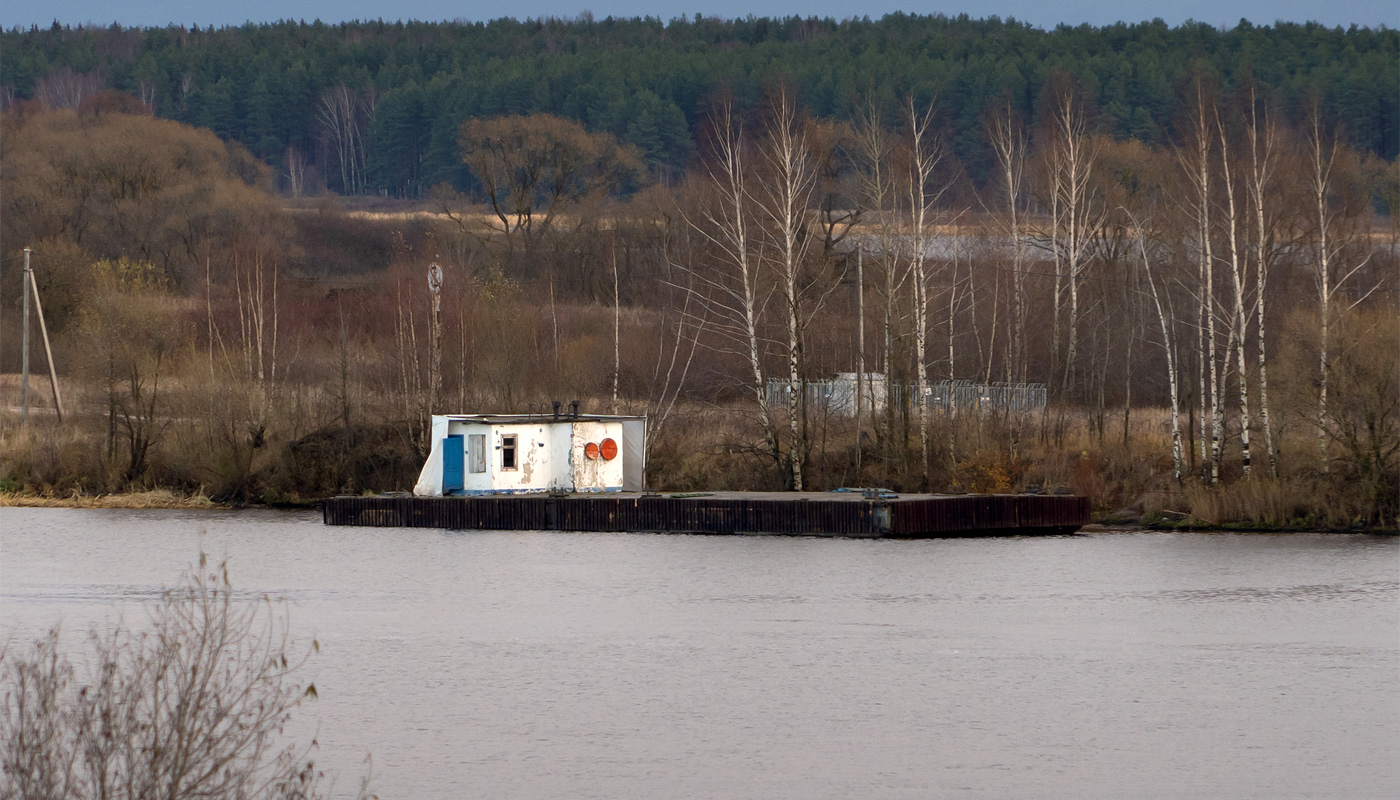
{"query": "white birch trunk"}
[(1262, 161), (878, 194), (1196, 163), (1239, 320), (860, 353), (732, 297), (1169, 345), (924, 156), (1074, 216), (617, 325), (1319, 184), (786, 202)]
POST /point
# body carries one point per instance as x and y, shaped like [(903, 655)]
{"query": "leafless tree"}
[(785, 196), (1330, 239), (879, 196), (1166, 319), (132, 335), (255, 288), (1239, 278), (187, 88), (617, 325), (729, 292), (1075, 214), (677, 340), (192, 707), (1195, 156), (1263, 160), (1363, 409), (146, 93), (344, 115), (1009, 143), (64, 88), (295, 160), (925, 151)]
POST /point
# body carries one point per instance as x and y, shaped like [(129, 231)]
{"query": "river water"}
[(553, 665)]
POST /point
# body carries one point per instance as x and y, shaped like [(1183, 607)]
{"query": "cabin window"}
[(476, 452), (508, 452)]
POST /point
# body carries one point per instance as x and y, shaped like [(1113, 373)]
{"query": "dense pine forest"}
[(1184, 241), (375, 107)]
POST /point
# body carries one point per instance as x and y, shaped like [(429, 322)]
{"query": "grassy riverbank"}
[(1127, 477), (156, 498), (1194, 525)]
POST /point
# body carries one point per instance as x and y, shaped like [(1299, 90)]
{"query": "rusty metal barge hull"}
[(748, 513)]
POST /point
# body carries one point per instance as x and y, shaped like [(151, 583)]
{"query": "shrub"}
[(193, 707)]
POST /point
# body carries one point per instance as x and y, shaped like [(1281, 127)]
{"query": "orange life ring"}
[(608, 449), (590, 450)]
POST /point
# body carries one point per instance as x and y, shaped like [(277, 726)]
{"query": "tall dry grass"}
[(303, 453)]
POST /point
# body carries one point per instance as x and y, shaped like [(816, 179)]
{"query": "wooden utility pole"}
[(30, 286), (48, 351), (435, 357)]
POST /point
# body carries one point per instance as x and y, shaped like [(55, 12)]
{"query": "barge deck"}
[(833, 514)]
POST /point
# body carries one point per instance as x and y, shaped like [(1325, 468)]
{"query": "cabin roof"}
[(532, 419)]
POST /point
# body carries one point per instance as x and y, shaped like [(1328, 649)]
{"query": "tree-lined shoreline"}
[(1210, 313)]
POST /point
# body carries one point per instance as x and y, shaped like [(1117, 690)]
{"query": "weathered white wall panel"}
[(593, 474), (550, 455)]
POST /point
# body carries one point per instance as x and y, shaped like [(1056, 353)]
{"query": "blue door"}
[(452, 458)]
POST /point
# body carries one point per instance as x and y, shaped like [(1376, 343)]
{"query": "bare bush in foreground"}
[(194, 706)]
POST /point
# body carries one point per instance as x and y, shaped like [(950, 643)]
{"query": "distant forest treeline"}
[(376, 107)]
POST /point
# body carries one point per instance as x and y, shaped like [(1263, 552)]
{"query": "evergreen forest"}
[(375, 107)]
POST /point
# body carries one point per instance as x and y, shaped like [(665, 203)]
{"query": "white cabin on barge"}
[(520, 453)]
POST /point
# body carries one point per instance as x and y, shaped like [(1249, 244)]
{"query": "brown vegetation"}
[(1216, 323), (193, 706)]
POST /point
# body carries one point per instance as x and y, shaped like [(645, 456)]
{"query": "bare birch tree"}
[(1195, 156), (1166, 319), (1331, 237), (785, 197), (1239, 318), (731, 296), (64, 88), (878, 194), (344, 116), (677, 341), (295, 161), (1263, 160), (146, 93), (255, 290), (1009, 144), (1075, 214), (925, 151)]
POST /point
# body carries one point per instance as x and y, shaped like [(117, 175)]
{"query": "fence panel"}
[(838, 397)]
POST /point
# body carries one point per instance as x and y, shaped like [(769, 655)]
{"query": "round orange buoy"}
[(591, 450), (608, 449)]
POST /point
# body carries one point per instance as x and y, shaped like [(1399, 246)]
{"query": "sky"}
[(1041, 13)]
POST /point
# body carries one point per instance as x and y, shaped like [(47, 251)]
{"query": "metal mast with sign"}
[(435, 358)]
